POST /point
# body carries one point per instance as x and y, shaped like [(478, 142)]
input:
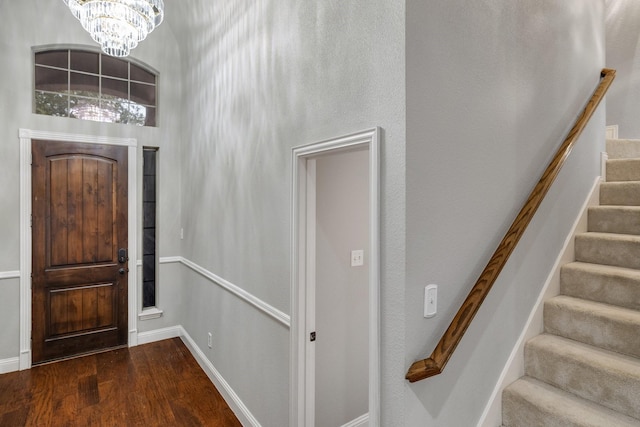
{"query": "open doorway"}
[(335, 284)]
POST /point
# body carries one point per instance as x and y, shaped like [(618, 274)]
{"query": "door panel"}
[(77, 309), (79, 222), (81, 216)]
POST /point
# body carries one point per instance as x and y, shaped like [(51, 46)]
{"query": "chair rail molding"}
[(249, 298), (9, 275)]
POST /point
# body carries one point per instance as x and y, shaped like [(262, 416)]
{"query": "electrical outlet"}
[(210, 340)]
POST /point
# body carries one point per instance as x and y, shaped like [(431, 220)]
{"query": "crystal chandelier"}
[(118, 25)]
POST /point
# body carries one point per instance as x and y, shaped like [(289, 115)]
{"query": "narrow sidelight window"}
[(149, 258)]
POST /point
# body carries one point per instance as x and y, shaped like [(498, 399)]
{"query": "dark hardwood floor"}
[(157, 384)]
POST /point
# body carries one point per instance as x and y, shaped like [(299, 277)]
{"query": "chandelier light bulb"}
[(118, 25)]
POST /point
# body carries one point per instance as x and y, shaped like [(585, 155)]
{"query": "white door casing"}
[(25, 136), (303, 238)]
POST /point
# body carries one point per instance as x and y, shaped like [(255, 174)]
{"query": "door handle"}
[(122, 271), (122, 256)]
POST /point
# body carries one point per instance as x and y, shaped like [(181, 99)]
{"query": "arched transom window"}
[(88, 85)]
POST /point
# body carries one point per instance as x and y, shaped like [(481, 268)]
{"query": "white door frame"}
[(26, 135), (299, 274)]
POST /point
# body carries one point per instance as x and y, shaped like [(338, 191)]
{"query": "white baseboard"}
[(25, 360), (9, 365), (241, 411), (361, 421), (514, 367), (159, 334)]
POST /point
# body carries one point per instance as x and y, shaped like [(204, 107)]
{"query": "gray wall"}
[(9, 318), (622, 34), (471, 105), (342, 291), (492, 90), (260, 78), (56, 25)]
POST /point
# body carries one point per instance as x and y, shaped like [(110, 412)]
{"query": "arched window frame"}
[(93, 86)]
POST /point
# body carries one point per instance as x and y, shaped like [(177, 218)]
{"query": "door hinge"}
[(312, 336), (31, 220)]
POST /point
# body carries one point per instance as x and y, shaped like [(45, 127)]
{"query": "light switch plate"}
[(357, 258), (430, 300)]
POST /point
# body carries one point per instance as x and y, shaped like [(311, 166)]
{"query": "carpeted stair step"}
[(602, 325), (603, 283), (585, 370), (623, 148), (623, 169), (614, 219), (604, 377), (620, 193), (529, 402), (622, 250)]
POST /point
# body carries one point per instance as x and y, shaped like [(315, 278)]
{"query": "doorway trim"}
[(26, 135), (370, 139)]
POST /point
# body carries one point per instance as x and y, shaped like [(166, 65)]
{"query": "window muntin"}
[(91, 86)]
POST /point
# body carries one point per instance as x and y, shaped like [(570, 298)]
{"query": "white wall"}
[(492, 90), (623, 55), (342, 291), (56, 25), (260, 78)]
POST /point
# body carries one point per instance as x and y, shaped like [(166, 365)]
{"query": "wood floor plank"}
[(157, 384), (66, 407), (88, 391), (14, 395), (15, 418)]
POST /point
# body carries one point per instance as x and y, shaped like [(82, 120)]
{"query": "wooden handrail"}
[(444, 349)]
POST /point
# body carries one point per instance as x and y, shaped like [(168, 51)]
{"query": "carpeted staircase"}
[(585, 369)]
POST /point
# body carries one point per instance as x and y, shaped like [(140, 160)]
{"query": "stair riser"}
[(620, 193), (621, 220), (593, 328), (623, 148), (597, 382), (517, 412), (615, 251), (623, 170), (527, 406), (620, 290)]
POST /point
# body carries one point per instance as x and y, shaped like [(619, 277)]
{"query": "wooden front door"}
[(79, 267)]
